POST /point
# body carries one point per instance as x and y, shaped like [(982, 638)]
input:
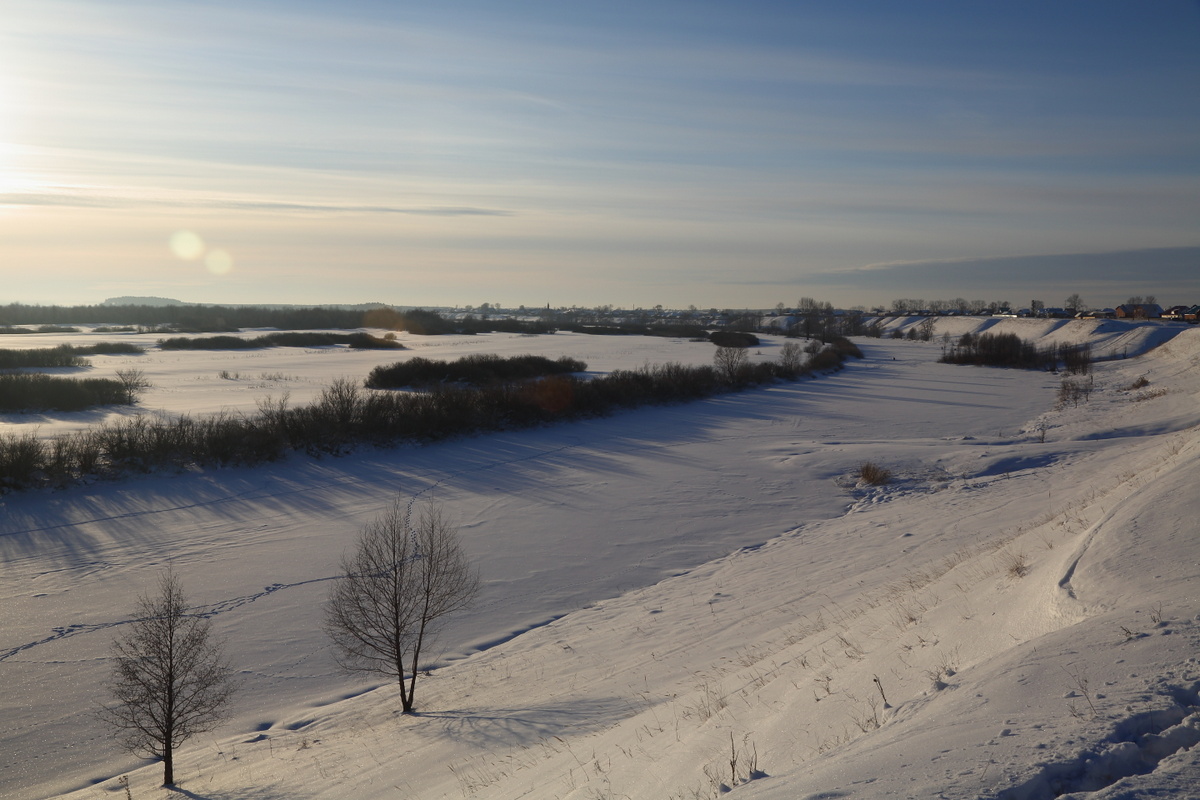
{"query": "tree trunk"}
[(406, 697), (168, 767)]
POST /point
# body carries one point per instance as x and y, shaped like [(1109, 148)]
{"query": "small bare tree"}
[(134, 382), (170, 678), (791, 358), (730, 363), (403, 578)]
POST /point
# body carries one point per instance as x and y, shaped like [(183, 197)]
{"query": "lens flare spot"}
[(186, 245), (218, 262)]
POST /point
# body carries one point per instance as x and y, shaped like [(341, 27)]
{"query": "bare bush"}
[(873, 474), (1014, 564), (1072, 391), (731, 363), (791, 358), (134, 382)]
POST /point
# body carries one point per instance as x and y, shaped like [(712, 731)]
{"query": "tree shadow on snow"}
[(489, 728)]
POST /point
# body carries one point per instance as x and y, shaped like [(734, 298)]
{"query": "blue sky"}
[(716, 154)]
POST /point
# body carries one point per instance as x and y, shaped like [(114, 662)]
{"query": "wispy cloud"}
[(1109, 275), (90, 200), (666, 146)]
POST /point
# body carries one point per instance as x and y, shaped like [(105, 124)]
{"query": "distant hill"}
[(143, 301), (167, 301)]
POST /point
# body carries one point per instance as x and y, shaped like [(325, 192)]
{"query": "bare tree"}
[(791, 358), (403, 578), (730, 363), (170, 678), (1075, 303), (134, 382)]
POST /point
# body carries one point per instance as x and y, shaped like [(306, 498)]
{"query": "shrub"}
[(873, 474), (1072, 391), (1007, 350), (475, 370), (1014, 564), (20, 457), (64, 355), (357, 340), (1076, 358), (845, 347), (731, 363), (733, 339), (46, 393), (825, 360), (50, 357), (791, 360)]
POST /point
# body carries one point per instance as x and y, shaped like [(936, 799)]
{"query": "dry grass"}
[(1014, 564), (872, 473)]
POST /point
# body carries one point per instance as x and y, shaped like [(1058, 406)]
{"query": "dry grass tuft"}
[(1014, 564), (872, 473)]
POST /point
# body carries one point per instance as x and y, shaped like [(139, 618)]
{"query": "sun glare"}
[(218, 262), (186, 245)]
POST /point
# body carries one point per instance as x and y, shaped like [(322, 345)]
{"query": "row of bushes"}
[(431, 323), (363, 341), (64, 355), (1009, 350), (39, 329), (476, 370), (681, 330), (345, 415), (733, 339), (21, 392)]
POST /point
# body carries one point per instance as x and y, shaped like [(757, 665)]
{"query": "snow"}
[(667, 590)]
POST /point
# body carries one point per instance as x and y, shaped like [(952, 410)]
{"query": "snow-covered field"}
[(676, 599)]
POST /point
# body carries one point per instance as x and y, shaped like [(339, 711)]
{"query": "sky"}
[(730, 155)]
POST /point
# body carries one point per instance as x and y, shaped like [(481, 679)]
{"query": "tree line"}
[(1009, 350), (194, 318)]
